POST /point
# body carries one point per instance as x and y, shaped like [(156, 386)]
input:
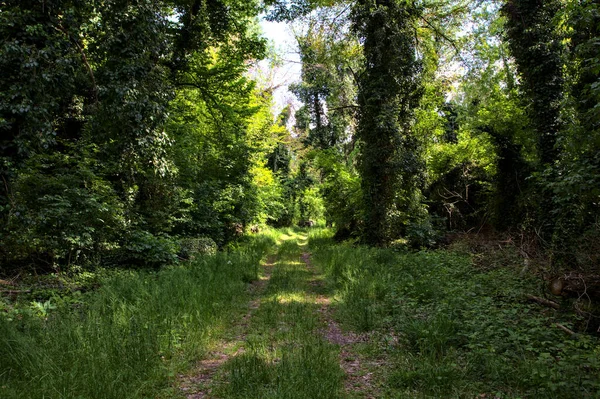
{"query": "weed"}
[(130, 337), (463, 331)]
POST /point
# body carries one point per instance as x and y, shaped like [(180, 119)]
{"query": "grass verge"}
[(451, 330), (129, 338)]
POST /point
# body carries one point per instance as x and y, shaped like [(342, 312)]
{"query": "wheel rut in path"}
[(360, 382), (289, 322), (199, 383)]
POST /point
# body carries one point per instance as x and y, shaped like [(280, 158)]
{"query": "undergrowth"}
[(128, 338), (454, 330)]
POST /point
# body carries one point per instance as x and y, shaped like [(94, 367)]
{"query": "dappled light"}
[(299, 199)]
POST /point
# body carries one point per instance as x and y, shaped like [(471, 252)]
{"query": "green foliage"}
[(573, 183), (270, 196), (455, 329), (329, 56), (279, 160), (583, 17), (190, 248), (341, 192), (311, 205), (534, 44), (104, 77), (286, 10), (129, 338), (42, 73), (145, 249), (218, 127), (63, 212)]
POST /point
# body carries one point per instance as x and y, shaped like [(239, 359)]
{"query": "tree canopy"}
[(129, 126)]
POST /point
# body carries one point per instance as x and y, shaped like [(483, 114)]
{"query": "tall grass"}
[(456, 330), (130, 337)]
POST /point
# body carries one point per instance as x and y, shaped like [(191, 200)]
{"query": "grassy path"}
[(287, 344), (360, 379), (199, 382)]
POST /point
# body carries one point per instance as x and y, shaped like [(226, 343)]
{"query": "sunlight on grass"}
[(294, 263), (289, 234), (286, 356), (128, 338), (293, 297)]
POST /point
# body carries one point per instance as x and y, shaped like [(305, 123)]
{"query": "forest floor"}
[(291, 314)]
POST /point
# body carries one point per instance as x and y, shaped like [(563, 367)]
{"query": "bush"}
[(144, 249), (190, 247), (63, 213)]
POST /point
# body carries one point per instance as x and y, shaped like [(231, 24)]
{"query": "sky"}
[(282, 39)]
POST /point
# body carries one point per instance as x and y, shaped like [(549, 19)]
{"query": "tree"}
[(330, 57), (389, 90), (537, 51), (86, 92), (574, 184)]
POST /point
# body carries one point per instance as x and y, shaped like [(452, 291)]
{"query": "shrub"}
[(145, 249), (190, 247), (64, 213)]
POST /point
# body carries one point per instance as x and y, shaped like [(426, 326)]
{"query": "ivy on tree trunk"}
[(389, 90), (537, 52)]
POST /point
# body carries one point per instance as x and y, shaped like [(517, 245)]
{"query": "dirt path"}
[(199, 383), (359, 381), (290, 314)]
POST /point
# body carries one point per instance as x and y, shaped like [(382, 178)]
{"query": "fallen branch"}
[(7, 283), (14, 292), (543, 301), (565, 329)]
